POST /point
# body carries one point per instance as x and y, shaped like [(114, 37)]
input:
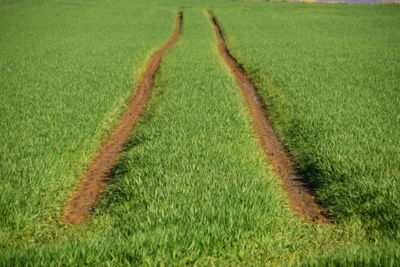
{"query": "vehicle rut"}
[(98, 173), (301, 198)]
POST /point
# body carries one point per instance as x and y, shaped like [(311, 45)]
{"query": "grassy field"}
[(66, 71), (199, 190), (194, 186), (331, 75)]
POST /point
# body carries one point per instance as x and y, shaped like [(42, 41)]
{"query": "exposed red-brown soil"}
[(97, 175), (301, 199)]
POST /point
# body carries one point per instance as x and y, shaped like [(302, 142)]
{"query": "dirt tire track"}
[(301, 199), (98, 173)]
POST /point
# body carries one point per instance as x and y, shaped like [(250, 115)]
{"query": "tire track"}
[(301, 199), (98, 173)]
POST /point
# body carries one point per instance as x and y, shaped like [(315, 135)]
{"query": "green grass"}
[(194, 186), (330, 75), (381, 253), (67, 69)]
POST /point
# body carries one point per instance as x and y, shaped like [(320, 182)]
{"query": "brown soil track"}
[(98, 173), (301, 199)]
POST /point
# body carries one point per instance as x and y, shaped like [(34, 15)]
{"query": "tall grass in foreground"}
[(66, 70), (330, 75)]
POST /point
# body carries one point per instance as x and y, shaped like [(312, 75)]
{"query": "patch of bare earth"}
[(301, 198), (97, 175)]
